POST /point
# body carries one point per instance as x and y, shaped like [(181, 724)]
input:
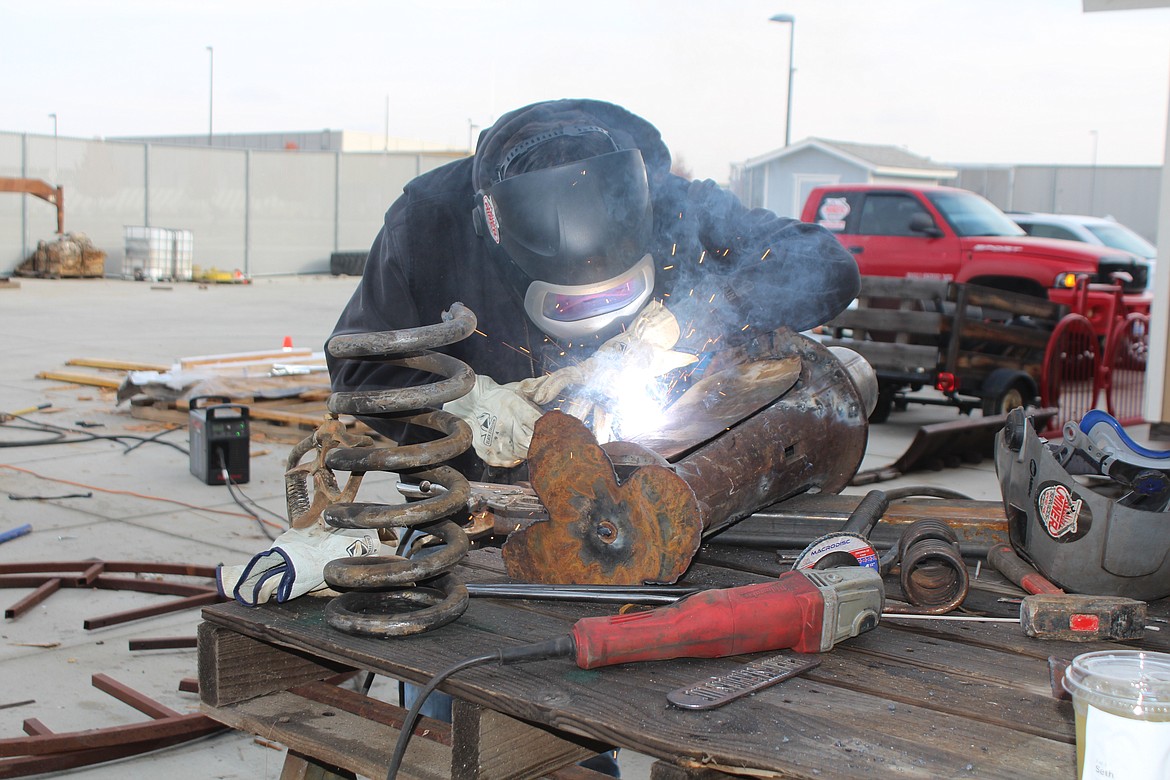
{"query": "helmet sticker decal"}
[(1059, 510), (493, 222)]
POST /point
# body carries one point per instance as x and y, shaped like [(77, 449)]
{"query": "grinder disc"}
[(601, 531)]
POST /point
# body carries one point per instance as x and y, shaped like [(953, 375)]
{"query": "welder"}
[(571, 240), (578, 250)]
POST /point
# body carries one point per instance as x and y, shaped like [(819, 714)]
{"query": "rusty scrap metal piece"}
[(304, 511), (948, 444), (45, 578), (718, 401), (809, 440), (933, 574), (46, 751), (210, 596), (39, 594), (163, 643), (600, 531)]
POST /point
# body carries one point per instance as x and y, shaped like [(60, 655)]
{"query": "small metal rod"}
[(127, 695), (161, 609), (617, 594), (42, 592), (967, 618), (163, 643)]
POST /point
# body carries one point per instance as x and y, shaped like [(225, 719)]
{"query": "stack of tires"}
[(347, 263)]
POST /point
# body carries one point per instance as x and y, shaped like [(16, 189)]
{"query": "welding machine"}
[(218, 439)]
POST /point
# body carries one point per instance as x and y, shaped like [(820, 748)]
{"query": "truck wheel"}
[(1015, 395), (883, 407)]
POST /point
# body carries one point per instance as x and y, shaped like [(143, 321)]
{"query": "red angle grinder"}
[(808, 611)]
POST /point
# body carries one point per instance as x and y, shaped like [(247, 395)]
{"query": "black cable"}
[(231, 486), (58, 434), (55, 438), (279, 517), (154, 438), (412, 716), (925, 491), (538, 651)]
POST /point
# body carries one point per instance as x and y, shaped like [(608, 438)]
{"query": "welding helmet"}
[(1085, 540), (578, 231)]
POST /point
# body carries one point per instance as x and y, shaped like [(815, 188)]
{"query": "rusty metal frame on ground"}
[(47, 577), (44, 750)]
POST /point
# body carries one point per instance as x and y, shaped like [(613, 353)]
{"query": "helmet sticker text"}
[(493, 222), (1059, 510)]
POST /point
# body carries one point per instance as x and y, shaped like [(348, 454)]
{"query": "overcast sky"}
[(991, 81)]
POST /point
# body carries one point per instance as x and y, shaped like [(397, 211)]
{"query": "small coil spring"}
[(933, 574), (386, 596)]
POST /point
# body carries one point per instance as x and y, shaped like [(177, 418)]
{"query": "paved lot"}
[(146, 506)]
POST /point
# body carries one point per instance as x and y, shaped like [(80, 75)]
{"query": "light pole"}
[(210, 92), (54, 118), (1093, 176), (790, 20), (471, 128)]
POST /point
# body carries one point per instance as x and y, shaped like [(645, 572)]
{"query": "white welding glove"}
[(294, 565), (644, 351), (501, 421)]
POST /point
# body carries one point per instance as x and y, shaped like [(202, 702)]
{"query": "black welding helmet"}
[(579, 232), (1084, 539)]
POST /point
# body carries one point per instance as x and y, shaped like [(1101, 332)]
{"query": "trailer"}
[(981, 348)]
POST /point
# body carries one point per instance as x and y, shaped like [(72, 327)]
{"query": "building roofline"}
[(834, 151)]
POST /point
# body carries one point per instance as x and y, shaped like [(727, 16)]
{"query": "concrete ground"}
[(144, 505)]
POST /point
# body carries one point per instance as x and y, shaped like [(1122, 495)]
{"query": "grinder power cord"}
[(806, 611)]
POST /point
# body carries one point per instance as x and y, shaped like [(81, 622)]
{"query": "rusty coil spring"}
[(933, 574), (379, 599)]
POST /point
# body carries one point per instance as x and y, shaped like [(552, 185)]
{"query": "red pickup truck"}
[(953, 234)]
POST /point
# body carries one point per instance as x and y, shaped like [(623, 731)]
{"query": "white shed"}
[(781, 180)]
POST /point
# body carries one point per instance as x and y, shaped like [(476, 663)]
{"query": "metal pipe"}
[(784, 449)]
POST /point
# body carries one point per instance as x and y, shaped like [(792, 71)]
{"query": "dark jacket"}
[(720, 266)]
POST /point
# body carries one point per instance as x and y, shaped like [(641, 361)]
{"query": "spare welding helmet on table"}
[(1084, 540), (580, 233)]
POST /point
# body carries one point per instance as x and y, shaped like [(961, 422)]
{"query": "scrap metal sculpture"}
[(806, 433)]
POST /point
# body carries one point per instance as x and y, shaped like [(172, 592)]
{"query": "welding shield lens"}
[(564, 311), (576, 224)]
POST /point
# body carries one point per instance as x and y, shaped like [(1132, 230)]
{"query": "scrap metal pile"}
[(70, 255)]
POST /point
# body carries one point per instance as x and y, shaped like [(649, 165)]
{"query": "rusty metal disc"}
[(645, 529)]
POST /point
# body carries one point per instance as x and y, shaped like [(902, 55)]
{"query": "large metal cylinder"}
[(648, 525), (810, 440)]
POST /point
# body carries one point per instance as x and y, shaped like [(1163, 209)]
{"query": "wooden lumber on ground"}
[(79, 378)]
